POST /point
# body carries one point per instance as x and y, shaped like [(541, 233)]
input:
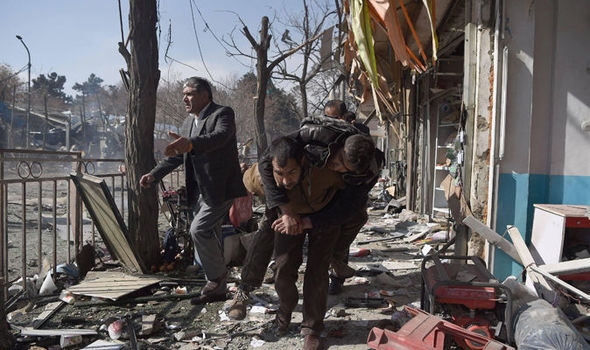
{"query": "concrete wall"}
[(547, 157)]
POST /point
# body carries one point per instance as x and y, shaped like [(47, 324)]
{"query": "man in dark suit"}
[(208, 149)]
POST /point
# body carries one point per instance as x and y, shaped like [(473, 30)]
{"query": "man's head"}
[(287, 159), (354, 157), (348, 116), (196, 94), (335, 109)]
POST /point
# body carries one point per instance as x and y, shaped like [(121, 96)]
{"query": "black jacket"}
[(321, 136), (211, 167)]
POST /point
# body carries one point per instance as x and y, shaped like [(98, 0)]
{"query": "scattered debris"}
[(114, 309)]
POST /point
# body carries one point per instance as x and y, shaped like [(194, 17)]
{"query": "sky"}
[(76, 38)]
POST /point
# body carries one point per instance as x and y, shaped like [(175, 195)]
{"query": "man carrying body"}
[(322, 229), (309, 189), (340, 146), (208, 149), (327, 146)]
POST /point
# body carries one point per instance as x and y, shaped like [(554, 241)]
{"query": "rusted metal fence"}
[(42, 218)]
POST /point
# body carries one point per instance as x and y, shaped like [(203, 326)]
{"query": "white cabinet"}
[(556, 229)]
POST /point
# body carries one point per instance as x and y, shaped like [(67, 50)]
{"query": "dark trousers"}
[(288, 257), (348, 232), (259, 252)]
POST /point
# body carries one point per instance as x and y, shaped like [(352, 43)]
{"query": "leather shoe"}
[(312, 342), (239, 306), (216, 286), (335, 286), (213, 291)]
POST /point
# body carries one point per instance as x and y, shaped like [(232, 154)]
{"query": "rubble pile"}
[(112, 309)]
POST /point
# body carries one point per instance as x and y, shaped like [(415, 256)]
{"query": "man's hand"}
[(178, 146), (147, 180), (288, 224), (306, 223)]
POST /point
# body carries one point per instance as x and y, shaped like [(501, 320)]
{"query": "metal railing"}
[(41, 215)]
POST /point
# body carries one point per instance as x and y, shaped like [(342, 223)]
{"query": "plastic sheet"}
[(539, 325)]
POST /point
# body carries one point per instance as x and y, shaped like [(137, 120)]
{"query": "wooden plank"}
[(492, 237), (560, 282), (111, 285), (50, 310), (110, 224), (565, 210), (55, 332), (539, 282), (567, 267)]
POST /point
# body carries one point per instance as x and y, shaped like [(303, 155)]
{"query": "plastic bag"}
[(241, 210), (542, 326), (170, 244)]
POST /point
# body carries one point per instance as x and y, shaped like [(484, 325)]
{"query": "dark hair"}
[(359, 152), (284, 148), (348, 116), (199, 84), (336, 104)]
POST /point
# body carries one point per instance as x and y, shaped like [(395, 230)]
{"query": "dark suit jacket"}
[(211, 167)]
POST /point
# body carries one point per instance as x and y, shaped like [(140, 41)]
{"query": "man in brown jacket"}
[(309, 189), (292, 173)]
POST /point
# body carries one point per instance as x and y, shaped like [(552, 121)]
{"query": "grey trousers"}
[(207, 240)]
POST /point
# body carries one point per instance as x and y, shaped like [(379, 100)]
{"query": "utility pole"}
[(28, 90)]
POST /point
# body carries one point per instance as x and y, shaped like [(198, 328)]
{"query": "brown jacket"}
[(315, 190)]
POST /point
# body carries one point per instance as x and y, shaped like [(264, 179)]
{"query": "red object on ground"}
[(359, 252), (426, 332)]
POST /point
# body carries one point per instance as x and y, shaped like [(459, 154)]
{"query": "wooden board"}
[(107, 218), (565, 210), (56, 332), (492, 237), (111, 285)]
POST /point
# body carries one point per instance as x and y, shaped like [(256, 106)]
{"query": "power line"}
[(199, 43), (14, 74)]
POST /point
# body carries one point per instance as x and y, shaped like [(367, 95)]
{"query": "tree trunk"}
[(139, 128), (263, 75)]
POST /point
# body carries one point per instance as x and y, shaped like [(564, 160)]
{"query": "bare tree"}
[(317, 56), (170, 110), (142, 64), (264, 69)]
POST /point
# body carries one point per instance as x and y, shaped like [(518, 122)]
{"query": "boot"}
[(213, 291), (237, 310), (335, 286)]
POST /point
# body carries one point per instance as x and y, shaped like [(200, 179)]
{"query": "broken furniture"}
[(561, 233), (463, 291), (106, 217), (427, 332)]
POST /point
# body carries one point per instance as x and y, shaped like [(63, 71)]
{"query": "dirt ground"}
[(387, 278)]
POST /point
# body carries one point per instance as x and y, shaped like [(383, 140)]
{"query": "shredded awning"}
[(410, 29)]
